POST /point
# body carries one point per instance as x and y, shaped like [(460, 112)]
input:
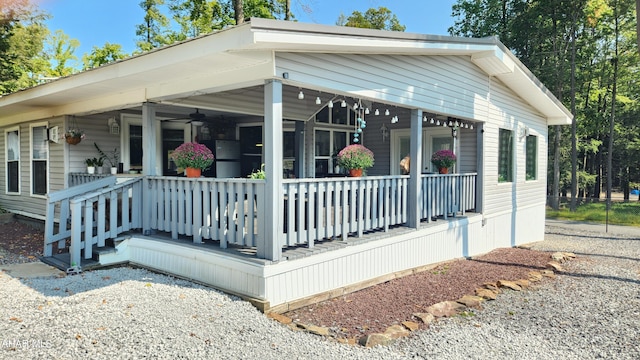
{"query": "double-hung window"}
[(505, 155), (12, 154), (532, 157), (39, 159)]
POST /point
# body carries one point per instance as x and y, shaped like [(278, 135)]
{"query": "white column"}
[(415, 172), (269, 246), (149, 146), (149, 139)]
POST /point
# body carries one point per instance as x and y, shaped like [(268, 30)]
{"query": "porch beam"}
[(269, 246), (415, 170)]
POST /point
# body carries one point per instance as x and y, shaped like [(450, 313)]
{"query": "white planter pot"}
[(114, 170), (91, 169)]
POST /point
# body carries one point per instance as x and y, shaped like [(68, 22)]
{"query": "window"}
[(12, 154), (327, 145), (135, 147), (336, 115), (505, 156), (532, 157), (39, 157)]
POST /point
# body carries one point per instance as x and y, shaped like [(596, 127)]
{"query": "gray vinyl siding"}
[(467, 160), (95, 132), (447, 85), (24, 203)]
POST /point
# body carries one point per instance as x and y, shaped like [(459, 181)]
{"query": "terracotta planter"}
[(355, 172), (443, 170), (73, 140), (193, 172)]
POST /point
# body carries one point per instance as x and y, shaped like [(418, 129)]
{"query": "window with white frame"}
[(531, 159), (327, 145), (505, 156), (336, 115), (12, 154), (39, 159)]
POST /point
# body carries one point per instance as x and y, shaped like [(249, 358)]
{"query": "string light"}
[(318, 101), (300, 95)]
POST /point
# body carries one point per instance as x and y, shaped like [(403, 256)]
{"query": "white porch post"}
[(149, 142), (415, 171), (269, 246)]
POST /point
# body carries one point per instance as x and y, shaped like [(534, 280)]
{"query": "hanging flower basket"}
[(73, 140), (74, 136)]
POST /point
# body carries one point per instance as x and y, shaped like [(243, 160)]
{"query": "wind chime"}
[(360, 122)]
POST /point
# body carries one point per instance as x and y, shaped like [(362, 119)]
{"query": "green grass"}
[(619, 214)]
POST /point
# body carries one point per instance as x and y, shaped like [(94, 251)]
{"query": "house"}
[(287, 95)]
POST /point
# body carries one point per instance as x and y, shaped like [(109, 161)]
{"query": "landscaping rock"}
[(535, 276), (486, 293), (445, 309), (509, 284), (376, 339), (426, 318), (554, 265), (280, 318), (471, 301), (412, 326), (396, 331)]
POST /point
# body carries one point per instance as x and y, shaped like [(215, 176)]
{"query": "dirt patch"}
[(376, 308)]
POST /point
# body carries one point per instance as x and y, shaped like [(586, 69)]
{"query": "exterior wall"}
[(95, 132), (446, 85), (24, 203)]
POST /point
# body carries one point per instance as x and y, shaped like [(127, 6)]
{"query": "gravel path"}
[(591, 311)]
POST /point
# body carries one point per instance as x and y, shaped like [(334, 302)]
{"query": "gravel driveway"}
[(591, 311)]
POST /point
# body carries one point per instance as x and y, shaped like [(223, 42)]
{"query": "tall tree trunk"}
[(574, 152), (238, 10), (613, 105), (287, 10), (555, 201)]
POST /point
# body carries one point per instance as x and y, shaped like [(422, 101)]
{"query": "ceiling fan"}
[(194, 117)]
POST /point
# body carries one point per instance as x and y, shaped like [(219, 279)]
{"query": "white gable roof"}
[(244, 56)]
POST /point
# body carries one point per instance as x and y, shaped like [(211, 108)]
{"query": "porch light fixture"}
[(114, 127), (377, 112), (300, 95), (318, 101)]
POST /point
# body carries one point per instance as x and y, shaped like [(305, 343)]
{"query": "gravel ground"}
[(591, 311)]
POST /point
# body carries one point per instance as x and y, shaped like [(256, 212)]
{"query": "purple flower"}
[(443, 158), (193, 155), (355, 157)]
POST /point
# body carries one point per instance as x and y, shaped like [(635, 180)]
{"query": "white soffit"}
[(493, 62)]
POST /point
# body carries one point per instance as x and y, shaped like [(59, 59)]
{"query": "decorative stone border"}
[(486, 292)]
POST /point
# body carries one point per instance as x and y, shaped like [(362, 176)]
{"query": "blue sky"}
[(95, 22)]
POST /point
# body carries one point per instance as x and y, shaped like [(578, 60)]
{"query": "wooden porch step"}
[(63, 261)]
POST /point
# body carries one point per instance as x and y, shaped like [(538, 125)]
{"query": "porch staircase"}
[(62, 261)]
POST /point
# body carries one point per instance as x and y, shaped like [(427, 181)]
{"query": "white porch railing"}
[(316, 209), (206, 208), (83, 178), (96, 210), (58, 210), (446, 195), (228, 210)]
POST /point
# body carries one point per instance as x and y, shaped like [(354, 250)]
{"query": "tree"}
[(22, 35), (60, 53), (238, 11), (380, 18), (104, 55), (152, 31)]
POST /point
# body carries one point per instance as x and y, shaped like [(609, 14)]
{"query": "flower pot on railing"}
[(443, 170), (355, 172), (193, 172), (91, 170)]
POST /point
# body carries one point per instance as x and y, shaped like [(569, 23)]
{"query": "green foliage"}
[(380, 18), (258, 174), (619, 214), (60, 49), (22, 35), (104, 55), (112, 157), (152, 32)]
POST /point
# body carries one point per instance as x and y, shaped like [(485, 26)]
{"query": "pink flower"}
[(193, 155)]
